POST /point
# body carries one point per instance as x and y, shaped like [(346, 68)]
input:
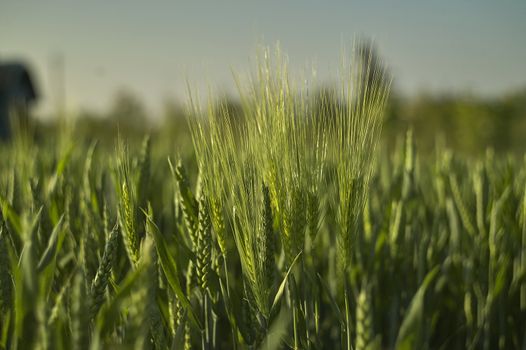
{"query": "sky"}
[(153, 48)]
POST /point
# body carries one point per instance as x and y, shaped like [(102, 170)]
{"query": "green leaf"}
[(281, 288), (169, 266), (9, 213), (412, 325), (53, 246), (274, 337), (333, 303)]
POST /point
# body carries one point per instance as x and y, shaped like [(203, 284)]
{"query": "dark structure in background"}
[(17, 94)]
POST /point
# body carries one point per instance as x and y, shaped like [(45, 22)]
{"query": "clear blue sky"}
[(150, 47)]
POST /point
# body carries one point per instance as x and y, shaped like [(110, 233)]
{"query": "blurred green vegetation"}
[(465, 123)]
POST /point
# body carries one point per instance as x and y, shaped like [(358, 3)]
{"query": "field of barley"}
[(290, 227)]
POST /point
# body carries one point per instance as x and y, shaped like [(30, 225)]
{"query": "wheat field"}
[(292, 227)]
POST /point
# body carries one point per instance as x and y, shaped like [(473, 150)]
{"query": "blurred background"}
[(459, 67)]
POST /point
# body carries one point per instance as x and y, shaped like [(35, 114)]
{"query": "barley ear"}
[(176, 312), (364, 322), (187, 202), (157, 330), (127, 223), (100, 282), (218, 224), (203, 247), (265, 243), (294, 224), (190, 283), (409, 165), (313, 212), (79, 311)]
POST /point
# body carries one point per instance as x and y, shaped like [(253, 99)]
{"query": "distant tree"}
[(128, 111)]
